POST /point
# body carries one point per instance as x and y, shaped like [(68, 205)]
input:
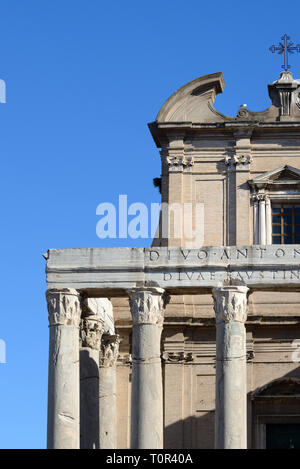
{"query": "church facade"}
[(189, 345)]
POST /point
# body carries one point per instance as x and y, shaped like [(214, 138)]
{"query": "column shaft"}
[(262, 222), (146, 398), (268, 222), (63, 386), (91, 332), (255, 222), (231, 383), (107, 391)]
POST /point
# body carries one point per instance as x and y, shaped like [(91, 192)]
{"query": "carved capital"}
[(178, 357), (147, 305), (63, 307), (230, 303), (109, 350), (176, 159), (91, 330), (242, 159)]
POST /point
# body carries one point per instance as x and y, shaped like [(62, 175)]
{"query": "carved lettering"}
[(190, 275), (262, 251), (244, 254), (185, 255), (225, 254), (295, 274), (202, 254), (280, 252), (154, 255)]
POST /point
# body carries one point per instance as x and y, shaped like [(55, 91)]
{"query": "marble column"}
[(262, 219), (268, 221), (63, 386), (255, 220), (146, 306), (91, 331), (107, 391), (230, 303)]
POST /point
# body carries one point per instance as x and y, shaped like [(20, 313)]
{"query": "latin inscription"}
[(227, 254)]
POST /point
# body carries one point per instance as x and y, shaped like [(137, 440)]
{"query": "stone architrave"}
[(146, 306), (107, 391), (230, 303), (63, 391)]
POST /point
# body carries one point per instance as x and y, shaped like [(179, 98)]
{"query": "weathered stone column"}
[(107, 391), (262, 219), (230, 303), (255, 220), (63, 387), (268, 221), (91, 331), (146, 306)]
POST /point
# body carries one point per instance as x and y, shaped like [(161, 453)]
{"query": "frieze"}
[(129, 269)]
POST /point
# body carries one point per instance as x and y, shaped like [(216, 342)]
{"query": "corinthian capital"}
[(91, 330), (109, 350), (63, 307), (147, 305), (230, 303)]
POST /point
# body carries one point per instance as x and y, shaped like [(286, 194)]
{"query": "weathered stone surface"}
[(107, 391), (63, 385), (231, 382), (116, 269), (146, 398)]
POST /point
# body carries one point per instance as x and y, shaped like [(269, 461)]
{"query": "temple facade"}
[(195, 341)]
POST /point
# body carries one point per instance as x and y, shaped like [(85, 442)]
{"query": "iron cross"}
[(285, 47)]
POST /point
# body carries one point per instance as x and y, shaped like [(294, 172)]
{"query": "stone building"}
[(184, 345)]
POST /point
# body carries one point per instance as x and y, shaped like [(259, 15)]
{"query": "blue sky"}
[(84, 77)]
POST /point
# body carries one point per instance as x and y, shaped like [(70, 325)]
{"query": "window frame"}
[(284, 235)]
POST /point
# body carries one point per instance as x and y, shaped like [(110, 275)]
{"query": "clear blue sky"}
[(84, 77)]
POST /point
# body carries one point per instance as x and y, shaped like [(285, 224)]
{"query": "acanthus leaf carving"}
[(230, 303), (63, 307), (109, 350), (91, 330), (147, 306)]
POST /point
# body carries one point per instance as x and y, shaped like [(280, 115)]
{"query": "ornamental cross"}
[(285, 47)]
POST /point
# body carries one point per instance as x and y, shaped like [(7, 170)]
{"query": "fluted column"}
[(268, 221), (230, 303), (107, 391), (91, 331), (255, 220), (63, 386), (146, 306), (262, 219)]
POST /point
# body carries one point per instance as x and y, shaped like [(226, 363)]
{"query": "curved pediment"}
[(193, 102), (282, 387)]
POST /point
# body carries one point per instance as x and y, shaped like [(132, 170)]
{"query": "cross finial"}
[(285, 47)]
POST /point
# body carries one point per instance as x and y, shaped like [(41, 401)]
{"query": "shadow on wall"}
[(275, 402), (191, 433)]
